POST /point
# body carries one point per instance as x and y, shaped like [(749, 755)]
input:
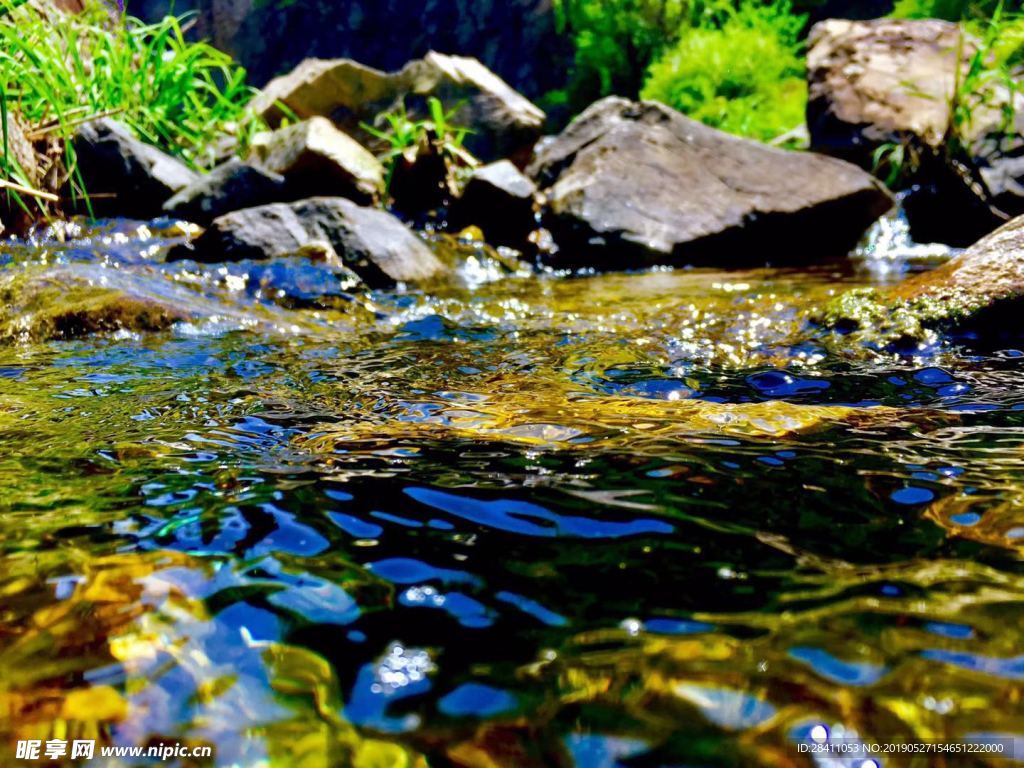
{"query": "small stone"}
[(124, 176), (229, 187), (500, 200)]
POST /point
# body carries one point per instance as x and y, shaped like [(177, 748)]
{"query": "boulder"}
[(519, 40), (882, 81), (503, 122), (372, 243), (630, 185), (124, 176), (318, 159), (229, 187), (500, 200), (892, 82), (980, 291)]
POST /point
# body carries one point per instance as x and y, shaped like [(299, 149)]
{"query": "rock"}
[(124, 176), (891, 82), (500, 200), (987, 277), (229, 187), (980, 290), (631, 185), (372, 243), (503, 122), (262, 232), (880, 81), (318, 159), (81, 299), (519, 40)]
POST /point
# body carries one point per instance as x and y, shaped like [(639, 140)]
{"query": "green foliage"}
[(615, 40), (408, 139), (58, 71), (740, 71)]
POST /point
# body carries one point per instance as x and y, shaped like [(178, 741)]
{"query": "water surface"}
[(652, 519)]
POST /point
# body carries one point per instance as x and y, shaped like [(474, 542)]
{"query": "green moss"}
[(874, 319)]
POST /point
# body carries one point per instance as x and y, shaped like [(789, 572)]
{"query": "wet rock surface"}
[(503, 122), (229, 187), (79, 300), (500, 200), (125, 176), (987, 276), (372, 243), (635, 184)]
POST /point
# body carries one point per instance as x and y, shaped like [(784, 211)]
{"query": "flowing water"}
[(652, 519)]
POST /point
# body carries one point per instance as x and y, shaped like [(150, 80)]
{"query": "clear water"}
[(653, 519)]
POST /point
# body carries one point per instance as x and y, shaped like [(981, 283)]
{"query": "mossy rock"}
[(981, 290), (70, 302)]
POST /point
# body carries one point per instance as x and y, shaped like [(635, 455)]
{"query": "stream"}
[(521, 519)]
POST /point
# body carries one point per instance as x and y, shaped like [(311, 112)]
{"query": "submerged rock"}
[(500, 200), (227, 188), (631, 185), (124, 176), (503, 122), (372, 243), (82, 299), (318, 159)]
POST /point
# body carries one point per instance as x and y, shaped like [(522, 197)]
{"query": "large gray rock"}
[(503, 122), (372, 243), (318, 159), (229, 187), (124, 176), (637, 184), (500, 200)]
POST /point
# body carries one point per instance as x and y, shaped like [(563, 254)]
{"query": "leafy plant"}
[(740, 70), (59, 70), (409, 140)]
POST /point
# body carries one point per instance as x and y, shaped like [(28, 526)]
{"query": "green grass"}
[(740, 70), (57, 71)]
